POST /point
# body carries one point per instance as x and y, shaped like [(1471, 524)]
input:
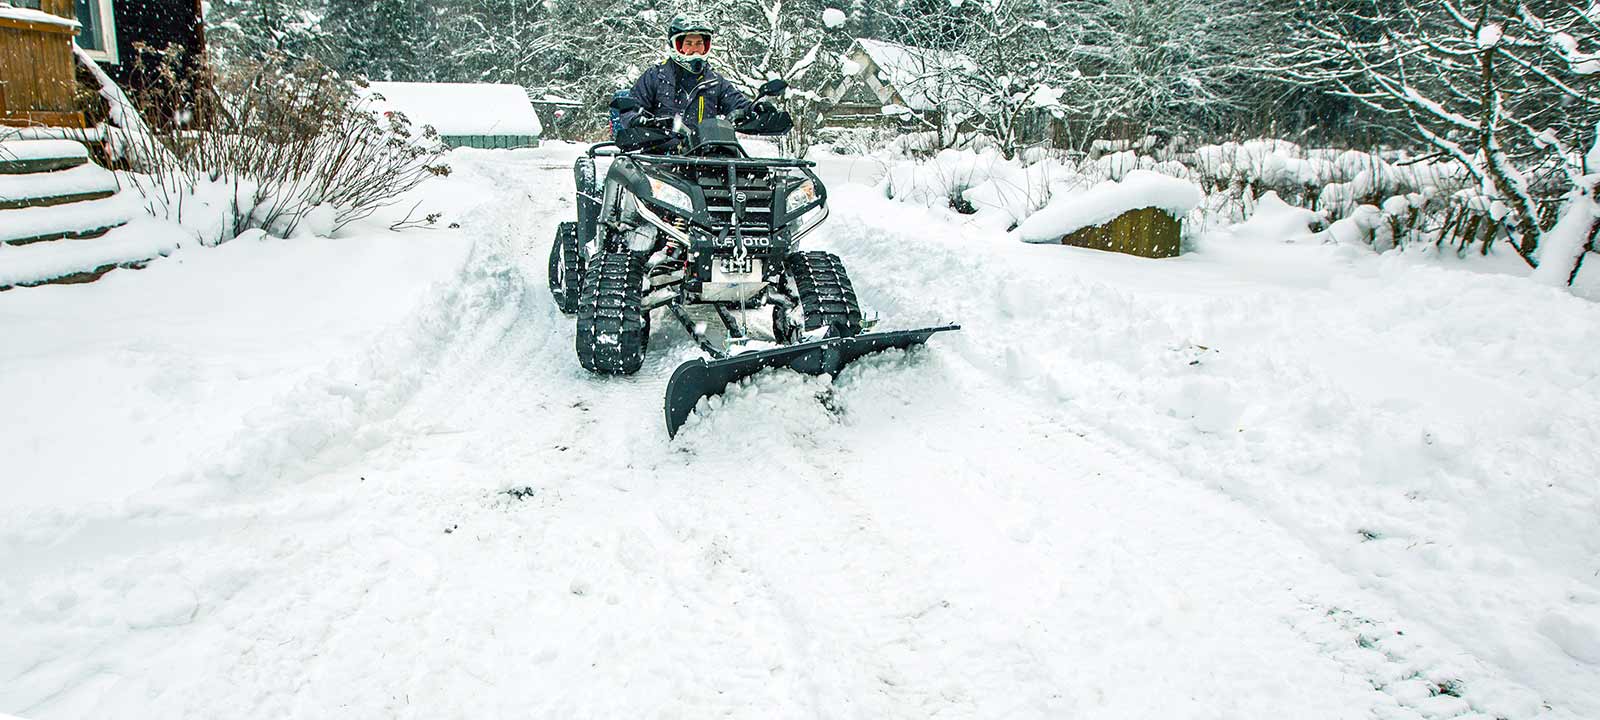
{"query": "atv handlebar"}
[(661, 123), (596, 149)]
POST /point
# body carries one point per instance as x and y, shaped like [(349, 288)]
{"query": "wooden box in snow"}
[(1141, 214), (1146, 232)]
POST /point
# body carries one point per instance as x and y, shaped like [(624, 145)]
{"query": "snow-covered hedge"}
[(1269, 189), (1004, 193)]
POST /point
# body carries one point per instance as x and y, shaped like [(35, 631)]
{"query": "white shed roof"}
[(456, 109)]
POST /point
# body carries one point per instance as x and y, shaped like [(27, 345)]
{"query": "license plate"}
[(736, 265)]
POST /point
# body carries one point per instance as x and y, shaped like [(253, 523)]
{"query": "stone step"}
[(20, 157), (92, 218), (79, 262), (84, 182)]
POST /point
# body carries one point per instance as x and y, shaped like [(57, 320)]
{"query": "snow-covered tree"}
[(1504, 88), (788, 39), (249, 30)]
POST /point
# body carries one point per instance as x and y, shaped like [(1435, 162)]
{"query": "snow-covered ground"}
[(366, 477)]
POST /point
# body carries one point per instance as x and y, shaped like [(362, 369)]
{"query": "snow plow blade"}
[(705, 378)]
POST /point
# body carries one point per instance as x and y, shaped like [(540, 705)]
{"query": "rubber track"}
[(566, 244), (826, 296), (613, 327)]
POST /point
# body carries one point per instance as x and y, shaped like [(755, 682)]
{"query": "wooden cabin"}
[(37, 79), (62, 216), (38, 70)]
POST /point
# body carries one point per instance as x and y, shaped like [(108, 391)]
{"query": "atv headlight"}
[(670, 194), (803, 193)]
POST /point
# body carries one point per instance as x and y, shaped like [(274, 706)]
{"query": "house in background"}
[(480, 115), (37, 69), (887, 82)]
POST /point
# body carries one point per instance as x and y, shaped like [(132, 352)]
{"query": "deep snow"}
[(365, 476)]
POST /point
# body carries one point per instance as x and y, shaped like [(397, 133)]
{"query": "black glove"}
[(763, 108)]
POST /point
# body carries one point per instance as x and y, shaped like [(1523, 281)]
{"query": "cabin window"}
[(98, 36), (30, 4)]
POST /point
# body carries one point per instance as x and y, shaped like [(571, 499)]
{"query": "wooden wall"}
[(36, 65)]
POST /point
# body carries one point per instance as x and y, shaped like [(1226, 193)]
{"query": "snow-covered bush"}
[(858, 141), (998, 192), (275, 145), (1277, 221), (1267, 189)]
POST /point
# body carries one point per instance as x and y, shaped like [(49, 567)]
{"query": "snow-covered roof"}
[(921, 76), (35, 16), (457, 109), (550, 99)]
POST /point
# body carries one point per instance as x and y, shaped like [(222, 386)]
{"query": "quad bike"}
[(687, 221)]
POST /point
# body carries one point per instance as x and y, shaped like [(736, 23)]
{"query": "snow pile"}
[(1277, 221), (1044, 199), (239, 359), (946, 176), (1408, 449), (1559, 249), (1067, 214), (832, 18), (455, 109), (998, 193)]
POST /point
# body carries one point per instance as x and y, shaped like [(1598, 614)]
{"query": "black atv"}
[(687, 221)]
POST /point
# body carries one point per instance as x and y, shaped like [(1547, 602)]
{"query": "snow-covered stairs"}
[(59, 213)]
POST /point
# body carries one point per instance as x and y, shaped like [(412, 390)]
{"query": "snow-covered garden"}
[(328, 450)]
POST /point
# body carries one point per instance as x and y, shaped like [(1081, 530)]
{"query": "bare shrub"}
[(273, 144)]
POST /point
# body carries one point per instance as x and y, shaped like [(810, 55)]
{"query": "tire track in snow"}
[(857, 592), (1416, 672), (931, 539)]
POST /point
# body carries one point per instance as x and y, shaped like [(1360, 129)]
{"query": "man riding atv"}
[(685, 221), (666, 90)]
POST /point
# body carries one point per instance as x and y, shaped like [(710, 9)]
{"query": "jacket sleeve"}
[(730, 98), (644, 91)]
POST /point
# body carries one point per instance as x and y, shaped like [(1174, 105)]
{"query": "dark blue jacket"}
[(664, 90)]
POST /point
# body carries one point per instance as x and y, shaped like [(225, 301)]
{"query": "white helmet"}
[(681, 27)]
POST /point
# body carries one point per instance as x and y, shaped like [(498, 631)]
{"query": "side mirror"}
[(773, 88), (624, 104)]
